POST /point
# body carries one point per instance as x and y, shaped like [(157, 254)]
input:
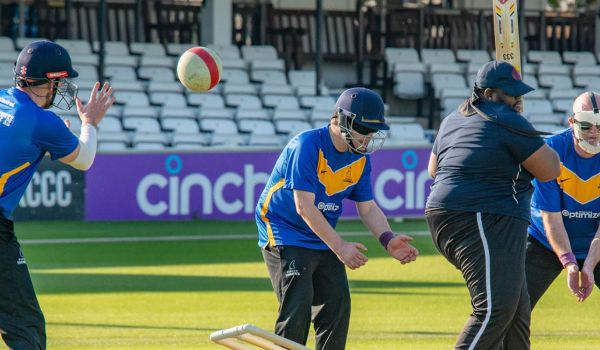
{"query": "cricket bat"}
[(506, 32)]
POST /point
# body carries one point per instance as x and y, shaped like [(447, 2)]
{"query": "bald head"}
[(583, 102)]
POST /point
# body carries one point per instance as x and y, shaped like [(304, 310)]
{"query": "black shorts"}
[(310, 284), (21, 320), (489, 250)]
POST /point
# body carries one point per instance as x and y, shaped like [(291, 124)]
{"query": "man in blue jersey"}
[(483, 159), (564, 230), (27, 132), (298, 210)]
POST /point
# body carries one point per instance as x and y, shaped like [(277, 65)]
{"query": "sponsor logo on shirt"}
[(327, 207), (6, 102), (6, 119), (580, 214)]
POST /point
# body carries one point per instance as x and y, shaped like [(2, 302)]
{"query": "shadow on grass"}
[(128, 326), (402, 284), (62, 283), (59, 283), (444, 334), (170, 253)]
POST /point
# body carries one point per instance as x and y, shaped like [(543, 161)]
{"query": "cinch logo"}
[(580, 214), (175, 191), (415, 185), (327, 207)]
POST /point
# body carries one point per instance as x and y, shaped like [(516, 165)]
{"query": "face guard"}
[(63, 87), (369, 141), (67, 92), (583, 122), (582, 125)]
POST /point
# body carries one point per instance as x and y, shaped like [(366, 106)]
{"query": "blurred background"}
[(155, 246), (171, 154)]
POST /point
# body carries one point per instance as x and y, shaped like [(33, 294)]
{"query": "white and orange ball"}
[(199, 69)]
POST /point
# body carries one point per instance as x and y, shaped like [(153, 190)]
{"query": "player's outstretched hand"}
[(99, 102), (587, 283), (399, 248), (573, 280), (350, 254)]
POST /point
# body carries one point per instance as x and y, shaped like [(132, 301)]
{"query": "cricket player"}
[(483, 160), (564, 230), (298, 210), (43, 74)]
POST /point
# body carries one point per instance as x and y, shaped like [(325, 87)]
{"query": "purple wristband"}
[(567, 258), (385, 238)]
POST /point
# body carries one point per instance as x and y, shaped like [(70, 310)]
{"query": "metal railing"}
[(164, 21)]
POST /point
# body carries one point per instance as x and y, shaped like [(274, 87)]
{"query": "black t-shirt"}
[(479, 162)]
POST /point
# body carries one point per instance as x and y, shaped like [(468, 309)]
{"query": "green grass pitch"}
[(173, 294)]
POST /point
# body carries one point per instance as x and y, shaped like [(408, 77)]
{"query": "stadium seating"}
[(152, 107), (406, 134), (256, 89)]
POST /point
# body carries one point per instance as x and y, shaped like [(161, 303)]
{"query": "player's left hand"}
[(573, 280), (587, 283), (400, 248), (99, 102)]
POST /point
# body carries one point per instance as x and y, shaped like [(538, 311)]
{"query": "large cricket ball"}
[(199, 69)]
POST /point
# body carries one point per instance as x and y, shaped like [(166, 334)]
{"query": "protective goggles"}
[(585, 126), (586, 119)]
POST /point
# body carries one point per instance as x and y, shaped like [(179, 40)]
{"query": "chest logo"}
[(582, 191), (339, 180)]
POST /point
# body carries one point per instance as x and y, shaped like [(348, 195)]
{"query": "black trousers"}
[(310, 285), (21, 320), (542, 268), (489, 250)]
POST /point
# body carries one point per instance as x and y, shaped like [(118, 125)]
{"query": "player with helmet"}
[(28, 131), (564, 232), (297, 214)]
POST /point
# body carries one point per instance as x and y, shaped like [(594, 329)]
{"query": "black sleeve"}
[(522, 146)]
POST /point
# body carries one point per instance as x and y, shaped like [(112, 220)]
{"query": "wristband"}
[(567, 258), (385, 238)]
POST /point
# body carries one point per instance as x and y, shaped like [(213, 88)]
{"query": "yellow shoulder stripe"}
[(4, 178), (265, 208)]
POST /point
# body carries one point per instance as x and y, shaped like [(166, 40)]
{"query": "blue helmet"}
[(361, 110), (43, 62), (365, 105)]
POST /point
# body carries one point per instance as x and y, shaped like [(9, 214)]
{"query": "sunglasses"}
[(585, 126)]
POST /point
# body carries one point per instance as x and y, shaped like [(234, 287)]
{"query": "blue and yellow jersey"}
[(575, 194), (310, 163), (27, 132)]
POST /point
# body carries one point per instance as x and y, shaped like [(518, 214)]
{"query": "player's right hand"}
[(350, 254)]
